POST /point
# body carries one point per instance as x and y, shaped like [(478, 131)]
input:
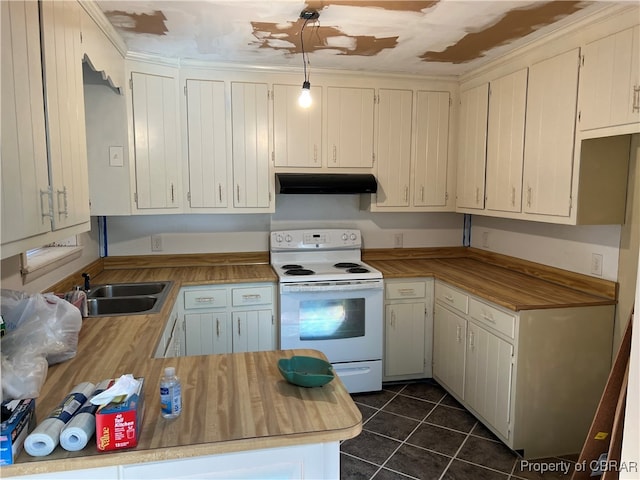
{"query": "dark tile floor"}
[(418, 431)]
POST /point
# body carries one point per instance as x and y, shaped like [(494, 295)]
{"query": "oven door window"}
[(332, 319)]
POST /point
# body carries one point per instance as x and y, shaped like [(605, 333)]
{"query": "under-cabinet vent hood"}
[(325, 183)]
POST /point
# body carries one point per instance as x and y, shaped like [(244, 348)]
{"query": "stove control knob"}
[(344, 236), (353, 236), (288, 238), (279, 238)]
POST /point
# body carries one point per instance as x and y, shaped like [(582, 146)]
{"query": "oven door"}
[(341, 319)]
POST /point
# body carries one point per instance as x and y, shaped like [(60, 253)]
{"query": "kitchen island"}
[(240, 417)]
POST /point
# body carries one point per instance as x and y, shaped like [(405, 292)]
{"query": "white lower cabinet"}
[(228, 318), (533, 377), (407, 329)]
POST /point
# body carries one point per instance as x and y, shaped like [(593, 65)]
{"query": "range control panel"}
[(325, 239)]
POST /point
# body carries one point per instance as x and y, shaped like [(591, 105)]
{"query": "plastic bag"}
[(41, 330)]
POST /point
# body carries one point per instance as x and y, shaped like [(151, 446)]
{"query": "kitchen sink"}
[(136, 298), (126, 289)]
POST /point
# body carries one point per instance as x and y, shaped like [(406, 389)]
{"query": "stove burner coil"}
[(291, 266), (358, 270), (299, 271), (346, 265)]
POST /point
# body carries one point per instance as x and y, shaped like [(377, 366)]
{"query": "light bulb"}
[(304, 100)]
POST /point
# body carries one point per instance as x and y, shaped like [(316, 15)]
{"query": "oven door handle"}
[(332, 286)]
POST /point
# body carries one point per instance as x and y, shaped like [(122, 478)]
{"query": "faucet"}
[(87, 283)]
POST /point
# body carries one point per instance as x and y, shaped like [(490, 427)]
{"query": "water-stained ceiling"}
[(417, 37)]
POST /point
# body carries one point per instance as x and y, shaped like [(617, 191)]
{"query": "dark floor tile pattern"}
[(418, 431)]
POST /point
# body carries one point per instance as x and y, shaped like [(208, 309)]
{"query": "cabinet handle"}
[(315, 153), (204, 299), (636, 98), (63, 192), (488, 318), (528, 196), (220, 191), (448, 298), (335, 154), (238, 193), (239, 326), (458, 333), (255, 296), (172, 193), (472, 342), (513, 196), (48, 212), (393, 318), (422, 193), (477, 195), (218, 327), (406, 193)]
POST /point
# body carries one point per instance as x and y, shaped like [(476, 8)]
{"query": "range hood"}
[(325, 183)]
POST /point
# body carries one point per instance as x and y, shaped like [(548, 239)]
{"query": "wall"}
[(237, 233), (10, 269)]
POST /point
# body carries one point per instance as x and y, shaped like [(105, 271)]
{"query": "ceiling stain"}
[(138, 22), (403, 6), (317, 37), (513, 25)]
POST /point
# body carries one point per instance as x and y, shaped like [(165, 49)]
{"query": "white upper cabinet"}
[(505, 142), (432, 149), (394, 147), (64, 104), (25, 182), (610, 83), (350, 127), (549, 133), (156, 140), (252, 178), (472, 147), (207, 143), (297, 131)]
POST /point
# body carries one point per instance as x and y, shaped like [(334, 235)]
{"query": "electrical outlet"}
[(156, 243), (397, 240), (596, 264)]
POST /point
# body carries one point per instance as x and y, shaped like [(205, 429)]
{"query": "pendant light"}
[(305, 100)]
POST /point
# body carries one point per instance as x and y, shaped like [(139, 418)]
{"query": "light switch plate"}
[(116, 156)]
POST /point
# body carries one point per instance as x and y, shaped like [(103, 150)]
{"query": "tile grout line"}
[(457, 451)]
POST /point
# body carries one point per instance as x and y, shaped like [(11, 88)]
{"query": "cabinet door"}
[(64, 101), (155, 126), (350, 127), (609, 83), (207, 143), (253, 331), (487, 386), (297, 131), (505, 142), (207, 333), (449, 334), (404, 339), (473, 147), (432, 149), (394, 147), (549, 135), (250, 131), (25, 181)]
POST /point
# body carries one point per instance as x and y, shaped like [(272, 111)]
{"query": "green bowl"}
[(306, 371)]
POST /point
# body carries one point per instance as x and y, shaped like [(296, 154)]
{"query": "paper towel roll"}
[(45, 437), (76, 434)]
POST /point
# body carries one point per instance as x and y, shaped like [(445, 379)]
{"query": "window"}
[(40, 261)]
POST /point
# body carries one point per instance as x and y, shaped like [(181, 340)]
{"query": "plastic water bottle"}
[(170, 394)]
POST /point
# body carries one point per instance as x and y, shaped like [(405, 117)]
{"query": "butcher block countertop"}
[(238, 402)]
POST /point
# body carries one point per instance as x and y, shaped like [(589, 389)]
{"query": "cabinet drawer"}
[(251, 296), (205, 298), (405, 290), (492, 317), (452, 297)]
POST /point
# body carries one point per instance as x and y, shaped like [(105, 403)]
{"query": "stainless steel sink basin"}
[(136, 298), (127, 289), (120, 305)]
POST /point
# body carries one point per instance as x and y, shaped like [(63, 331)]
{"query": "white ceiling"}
[(413, 37)]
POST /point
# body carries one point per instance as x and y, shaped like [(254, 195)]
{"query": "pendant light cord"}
[(304, 57)]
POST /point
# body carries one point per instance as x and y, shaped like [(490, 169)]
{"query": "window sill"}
[(46, 260)]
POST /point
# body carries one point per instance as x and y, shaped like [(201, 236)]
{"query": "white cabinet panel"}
[(155, 125), (64, 103), (549, 134), (505, 142), (253, 331), (394, 147), (297, 131), (207, 143), (472, 147), (432, 149), (404, 339), (207, 333), (609, 81), (250, 131), (350, 127), (25, 181), (449, 346)]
